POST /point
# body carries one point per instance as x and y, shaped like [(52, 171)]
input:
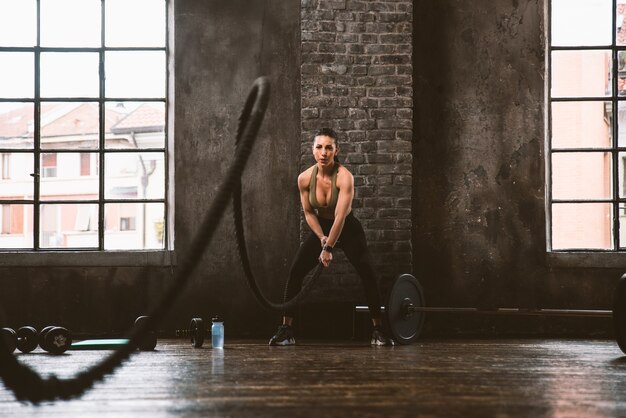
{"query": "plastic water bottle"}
[(217, 332)]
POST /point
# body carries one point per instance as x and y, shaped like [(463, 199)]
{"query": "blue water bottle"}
[(217, 332)]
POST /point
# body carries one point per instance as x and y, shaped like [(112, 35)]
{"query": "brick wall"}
[(356, 77)]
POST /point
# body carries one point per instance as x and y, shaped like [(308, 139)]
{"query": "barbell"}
[(406, 310)]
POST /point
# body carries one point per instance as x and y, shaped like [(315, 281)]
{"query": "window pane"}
[(69, 74), (135, 175), (121, 23), (18, 75), (135, 74), (620, 26), (581, 124), (69, 176), (581, 175), (17, 226), (581, 73), (581, 226), (17, 125), (621, 124), (71, 125), (70, 23), (621, 173), (18, 23), (581, 22), (16, 181), (139, 125), (622, 226), (69, 226), (134, 226)]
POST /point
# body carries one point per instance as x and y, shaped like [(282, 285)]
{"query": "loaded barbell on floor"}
[(406, 310)]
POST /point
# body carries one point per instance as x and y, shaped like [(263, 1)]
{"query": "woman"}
[(326, 193)]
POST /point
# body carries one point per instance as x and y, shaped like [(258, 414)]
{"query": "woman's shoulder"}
[(342, 171), (305, 176)]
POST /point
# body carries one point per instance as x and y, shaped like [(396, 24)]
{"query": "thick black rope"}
[(243, 253), (245, 263), (28, 385)]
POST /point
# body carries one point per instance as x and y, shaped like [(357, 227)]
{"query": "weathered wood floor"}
[(439, 378)]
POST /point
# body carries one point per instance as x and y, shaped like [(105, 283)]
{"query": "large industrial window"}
[(587, 125), (83, 94)]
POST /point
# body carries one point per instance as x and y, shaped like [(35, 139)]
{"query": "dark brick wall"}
[(356, 77)]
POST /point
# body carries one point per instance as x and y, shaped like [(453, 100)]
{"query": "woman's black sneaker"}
[(380, 339), (284, 336)]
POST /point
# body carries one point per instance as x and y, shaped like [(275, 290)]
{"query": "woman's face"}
[(324, 150)]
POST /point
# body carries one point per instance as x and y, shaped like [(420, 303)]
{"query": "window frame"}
[(95, 256), (585, 257)]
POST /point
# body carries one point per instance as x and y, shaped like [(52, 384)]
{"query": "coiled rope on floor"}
[(28, 385)]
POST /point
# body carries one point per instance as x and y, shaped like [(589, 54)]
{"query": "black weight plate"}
[(619, 313), (149, 341), (196, 332), (405, 328), (58, 340), (26, 339), (9, 337), (41, 338)]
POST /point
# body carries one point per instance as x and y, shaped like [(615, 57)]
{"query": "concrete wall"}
[(479, 192), (221, 48)]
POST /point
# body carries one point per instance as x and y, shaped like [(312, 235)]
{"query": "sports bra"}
[(333, 194)]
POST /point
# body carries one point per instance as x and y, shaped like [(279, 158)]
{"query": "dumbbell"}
[(10, 338), (149, 342), (54, 340), (25, 339), (195, 332)]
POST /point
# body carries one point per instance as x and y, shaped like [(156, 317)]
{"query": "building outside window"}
[(587, 131), (83, 124)]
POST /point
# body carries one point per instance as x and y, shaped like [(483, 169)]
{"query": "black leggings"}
[(352, 242)]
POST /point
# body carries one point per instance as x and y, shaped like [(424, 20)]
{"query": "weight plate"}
[(41, 338), (405, 326), (149, 341), (10, 338), (58, 340), (619, 313), (26, 339), (196, 332)]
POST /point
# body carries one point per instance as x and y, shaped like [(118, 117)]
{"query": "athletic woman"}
[(326, 193)]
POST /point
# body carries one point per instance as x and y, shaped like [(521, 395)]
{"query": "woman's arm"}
[(309, 212), (345, 184)]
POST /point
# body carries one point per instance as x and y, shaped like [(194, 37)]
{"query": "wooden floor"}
[(439, 378)]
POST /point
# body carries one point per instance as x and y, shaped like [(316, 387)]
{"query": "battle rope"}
[(245, 262), (28, 385), (243, 253)]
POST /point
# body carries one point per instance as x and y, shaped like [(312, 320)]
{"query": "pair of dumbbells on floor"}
[(53, 339)]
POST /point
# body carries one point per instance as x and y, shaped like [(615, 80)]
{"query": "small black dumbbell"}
[(55, 340), (10, 338), (26, 339), (149, 342), (196, 332)]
